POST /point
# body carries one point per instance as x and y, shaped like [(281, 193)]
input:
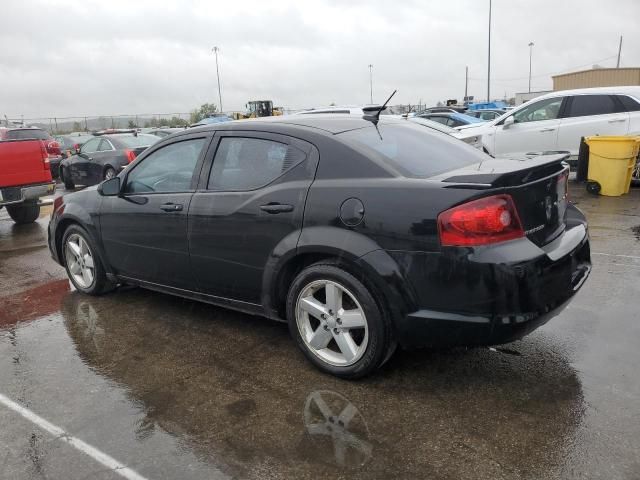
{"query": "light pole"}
[(489, 59), (371, 83), (215, 51), (530, 55)]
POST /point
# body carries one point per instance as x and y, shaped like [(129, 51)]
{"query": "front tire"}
[(336, 322), (26, 212), (83, 265), (109, 173)]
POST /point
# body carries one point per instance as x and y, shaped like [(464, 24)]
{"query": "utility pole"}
[(530, 55), (371, 83), (619, 52), (466, 84), (215, 50), (489, 59)]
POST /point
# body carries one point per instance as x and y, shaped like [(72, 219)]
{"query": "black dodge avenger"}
[(360, 234)]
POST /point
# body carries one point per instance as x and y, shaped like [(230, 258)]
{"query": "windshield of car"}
[(27, 134), (134, 141), (412, 150)]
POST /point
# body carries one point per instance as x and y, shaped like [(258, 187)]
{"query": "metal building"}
[(597, 77)]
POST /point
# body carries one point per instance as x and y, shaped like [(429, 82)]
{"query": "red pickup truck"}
[(24, 178)]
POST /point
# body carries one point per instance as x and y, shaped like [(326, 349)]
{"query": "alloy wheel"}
[(109, 174), (80, 261), (332, 323)]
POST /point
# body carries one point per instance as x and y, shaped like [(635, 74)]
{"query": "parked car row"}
[(558, 120), (103, 156)]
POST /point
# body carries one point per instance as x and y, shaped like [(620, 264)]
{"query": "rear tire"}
[(348, 352), (26, 212), (593, 187), (68, 183)]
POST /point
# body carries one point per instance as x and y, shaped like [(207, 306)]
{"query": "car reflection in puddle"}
[(233, 389), (333, 421)]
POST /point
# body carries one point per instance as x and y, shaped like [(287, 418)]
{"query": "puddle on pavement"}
[(229, 393)]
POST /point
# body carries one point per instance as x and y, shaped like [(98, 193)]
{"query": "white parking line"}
[(85, 448)]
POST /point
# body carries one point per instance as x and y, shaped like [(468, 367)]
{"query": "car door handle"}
[(618, 120), (547, 130), (276, 208), (171, 207)]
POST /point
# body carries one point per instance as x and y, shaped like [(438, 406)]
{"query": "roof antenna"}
[(374, 117)]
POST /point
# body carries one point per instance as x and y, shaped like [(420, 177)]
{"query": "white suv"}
[(558, 120)]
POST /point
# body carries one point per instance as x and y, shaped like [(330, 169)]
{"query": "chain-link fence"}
[(61, 125), (88, 123)]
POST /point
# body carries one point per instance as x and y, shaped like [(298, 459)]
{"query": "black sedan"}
[(103, 157), (361, 234)]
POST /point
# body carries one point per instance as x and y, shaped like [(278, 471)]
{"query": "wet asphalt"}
[(174, 389)]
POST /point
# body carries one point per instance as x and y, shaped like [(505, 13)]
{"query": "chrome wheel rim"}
[(80, 261), (109, 174), (332, 323)]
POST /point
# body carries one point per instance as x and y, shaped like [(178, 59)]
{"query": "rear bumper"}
[(14, 195), (493, 296)]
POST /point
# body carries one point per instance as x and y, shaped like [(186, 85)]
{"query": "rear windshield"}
[(138, 141), (414, 151), (27, 134)]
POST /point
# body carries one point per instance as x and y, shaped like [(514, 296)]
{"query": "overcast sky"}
[(64, 58)]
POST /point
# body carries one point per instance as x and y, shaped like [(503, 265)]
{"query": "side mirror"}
[(508, 121), (110, 188)]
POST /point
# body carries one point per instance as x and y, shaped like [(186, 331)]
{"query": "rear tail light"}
[(480, 222), (45, 156), (53, 148), (131, 155)]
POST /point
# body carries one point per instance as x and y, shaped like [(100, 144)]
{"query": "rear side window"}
[(27, 134), (91, 145), (629, 104), (587, 105), (247, 163), (412, 150)]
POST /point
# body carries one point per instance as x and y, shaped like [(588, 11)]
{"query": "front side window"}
[(543, 110), (169, 169), (587, 105), (248, 163), (91, 146)]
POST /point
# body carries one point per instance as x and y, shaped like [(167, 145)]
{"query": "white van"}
[(556, 121)]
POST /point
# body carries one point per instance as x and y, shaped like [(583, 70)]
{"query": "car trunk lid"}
[(538, 186)]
